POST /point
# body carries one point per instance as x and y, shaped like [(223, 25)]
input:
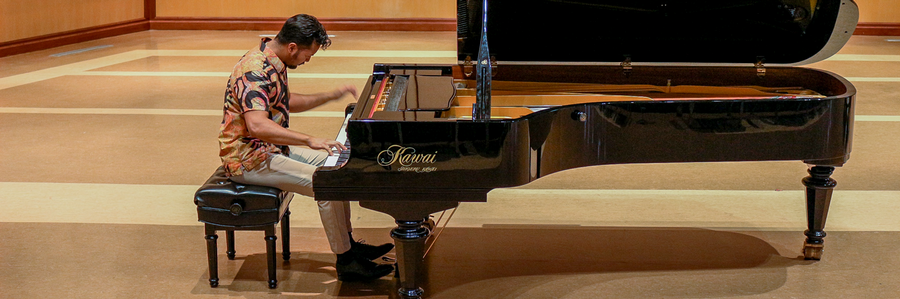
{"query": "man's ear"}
[(292, 47)]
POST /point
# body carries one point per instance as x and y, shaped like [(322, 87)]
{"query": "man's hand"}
[(304, 102), (325, 144), (346, 89)]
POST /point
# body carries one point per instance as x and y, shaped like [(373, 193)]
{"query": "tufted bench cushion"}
[(225, 203)]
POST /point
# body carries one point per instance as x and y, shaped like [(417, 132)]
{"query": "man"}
[(257, 148)]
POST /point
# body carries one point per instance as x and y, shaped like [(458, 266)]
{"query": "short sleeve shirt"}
[(258, 82)]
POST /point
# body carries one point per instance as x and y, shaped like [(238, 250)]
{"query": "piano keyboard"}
[(339, 158)]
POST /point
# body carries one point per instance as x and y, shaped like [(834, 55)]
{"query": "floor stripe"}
[(137, 111), (337, 76), (202, 112), (873, 79), (155, 74), (80, 51), (863, 57), (219, 74), (397, 54), (723, 209), (83, 66), (877, 118), (323, 53), (72, 68)]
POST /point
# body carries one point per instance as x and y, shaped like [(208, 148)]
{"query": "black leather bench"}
[(229, 206)]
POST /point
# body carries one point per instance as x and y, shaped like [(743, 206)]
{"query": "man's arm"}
[(263, 128), (303, 102)]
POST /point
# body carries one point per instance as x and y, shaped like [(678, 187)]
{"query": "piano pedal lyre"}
[(429, 224)]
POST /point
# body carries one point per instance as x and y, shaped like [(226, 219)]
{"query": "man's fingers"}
[(340, 146), (335, 145)]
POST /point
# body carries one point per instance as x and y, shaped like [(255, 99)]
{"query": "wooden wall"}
[(22, 19), (322, 9), (408, 15), (879, 11), (871, 11)]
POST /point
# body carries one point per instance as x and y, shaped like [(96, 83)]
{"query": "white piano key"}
[(342, 138)]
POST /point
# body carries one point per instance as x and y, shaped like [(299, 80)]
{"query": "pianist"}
[(257, 148)]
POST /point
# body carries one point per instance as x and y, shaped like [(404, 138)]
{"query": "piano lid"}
[(782, 32)]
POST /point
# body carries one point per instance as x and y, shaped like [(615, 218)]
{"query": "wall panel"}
[(26, 19), (879, 11), (322, 9), (871, 11)]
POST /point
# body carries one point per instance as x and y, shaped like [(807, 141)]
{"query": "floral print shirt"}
[(259, 82)]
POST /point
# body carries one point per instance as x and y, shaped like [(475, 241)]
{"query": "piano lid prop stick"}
[(438, 234), (482, 108)]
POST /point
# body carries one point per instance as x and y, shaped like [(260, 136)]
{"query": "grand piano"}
[(548, 85)]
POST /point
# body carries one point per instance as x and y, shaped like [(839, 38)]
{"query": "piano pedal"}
[(429, 224), (389, 259)]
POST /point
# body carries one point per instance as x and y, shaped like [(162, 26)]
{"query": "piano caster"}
[(813, 251)]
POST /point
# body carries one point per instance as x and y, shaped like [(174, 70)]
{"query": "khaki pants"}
[(294, 173)]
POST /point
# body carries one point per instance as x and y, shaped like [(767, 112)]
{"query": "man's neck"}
[(278, 49)]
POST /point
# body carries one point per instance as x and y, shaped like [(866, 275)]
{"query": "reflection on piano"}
[(415, 149)]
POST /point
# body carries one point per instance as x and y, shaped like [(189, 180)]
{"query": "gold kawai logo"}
[(406, 157)]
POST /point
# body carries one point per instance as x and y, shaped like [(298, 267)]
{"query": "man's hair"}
[(302, 30)]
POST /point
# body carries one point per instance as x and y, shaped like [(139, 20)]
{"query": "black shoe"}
[(362, 269), (370, 252)]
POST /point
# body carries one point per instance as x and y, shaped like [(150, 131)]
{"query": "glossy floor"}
[(102, 150)]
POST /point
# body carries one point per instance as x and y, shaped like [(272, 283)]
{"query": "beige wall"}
[(318, 8), (20, 19), (879, 11)]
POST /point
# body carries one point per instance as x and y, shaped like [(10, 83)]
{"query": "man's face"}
[(300, 54)]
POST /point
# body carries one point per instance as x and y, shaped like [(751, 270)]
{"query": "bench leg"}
[(229, 239), (211, 254), (286, 235), (270, 255)]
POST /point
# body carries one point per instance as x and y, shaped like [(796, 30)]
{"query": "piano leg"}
[(819, 186), (409, 237)]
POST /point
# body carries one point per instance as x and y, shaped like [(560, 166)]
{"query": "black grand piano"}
[(550, 85)]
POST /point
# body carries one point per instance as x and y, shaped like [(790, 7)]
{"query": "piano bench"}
[(230, 206)]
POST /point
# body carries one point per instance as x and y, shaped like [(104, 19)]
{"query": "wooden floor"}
[(103, 143)]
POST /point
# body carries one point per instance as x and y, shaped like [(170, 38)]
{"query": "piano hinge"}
[(760, 66), (468, 66), (626, 66)]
